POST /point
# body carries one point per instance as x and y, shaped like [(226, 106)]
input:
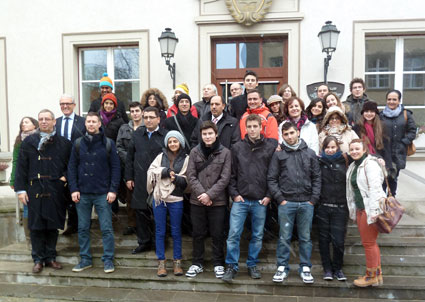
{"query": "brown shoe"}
[(370, 279), (162, 271), (38, 268), (178, 271), (54, 265), (379, 275)]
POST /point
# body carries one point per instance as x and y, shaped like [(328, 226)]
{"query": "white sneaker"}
[(219, 271), (194, 270), (280, 274), (306, 275)]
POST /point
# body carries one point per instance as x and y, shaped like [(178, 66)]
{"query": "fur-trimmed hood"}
[(331, 111), (158, 93)]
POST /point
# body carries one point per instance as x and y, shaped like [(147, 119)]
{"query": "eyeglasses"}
[(335, 118), (45, 119), (66, 104)]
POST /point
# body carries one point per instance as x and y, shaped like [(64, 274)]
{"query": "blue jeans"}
[(104, 211), (160, 213), (238, 214), (303, 213)]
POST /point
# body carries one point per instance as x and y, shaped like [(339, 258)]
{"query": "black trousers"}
[(43, 245), (72, 210), (332, 224), (144, 226), (203, 219)]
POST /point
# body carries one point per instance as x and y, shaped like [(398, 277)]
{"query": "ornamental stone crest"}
[(248, 12)]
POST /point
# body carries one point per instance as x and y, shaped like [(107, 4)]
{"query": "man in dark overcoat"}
[(40, 182), (70, 126), (146, 143)]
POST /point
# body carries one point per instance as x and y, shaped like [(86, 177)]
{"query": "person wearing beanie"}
[(183, 121), (275, 104), (106, 86), (155, 98), (167, 181), (182, 88), (111, 118)]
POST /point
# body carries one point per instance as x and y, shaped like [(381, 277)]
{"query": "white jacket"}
[(308, 133), (370, 187)]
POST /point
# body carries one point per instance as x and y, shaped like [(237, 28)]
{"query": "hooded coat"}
[(161, 100), (38, 173), (344, 134)]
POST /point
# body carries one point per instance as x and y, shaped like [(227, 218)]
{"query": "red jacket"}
[(269, 123), (174, 109)]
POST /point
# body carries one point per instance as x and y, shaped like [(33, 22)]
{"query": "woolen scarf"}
[(391, 113), (107, 116), (371, 136), (292, 147), (44, 137), (25, 134), (300, 123)]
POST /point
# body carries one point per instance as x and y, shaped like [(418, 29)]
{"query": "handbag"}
[(392, 210), (411, 148)]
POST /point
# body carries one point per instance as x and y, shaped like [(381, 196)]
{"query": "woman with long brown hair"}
[(370, 130)]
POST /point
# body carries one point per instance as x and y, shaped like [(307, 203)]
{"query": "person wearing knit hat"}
[(275, 104), (166, 179), (174, 134), (106, 86), (182, 88), (106, 81), (111, 118), (370, 106), (183, 121), (370, 129)]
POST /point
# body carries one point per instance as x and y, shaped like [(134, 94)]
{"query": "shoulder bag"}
[(411, 148)]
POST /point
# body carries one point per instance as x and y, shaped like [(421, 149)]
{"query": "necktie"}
[(215, 120), (65, 129)]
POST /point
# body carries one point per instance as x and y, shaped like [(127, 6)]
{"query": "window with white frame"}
[(397, 62), (122, 65)]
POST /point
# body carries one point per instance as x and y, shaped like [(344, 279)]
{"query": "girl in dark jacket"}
[(111, 119), (332, 212), (400, 131), (153, 97)]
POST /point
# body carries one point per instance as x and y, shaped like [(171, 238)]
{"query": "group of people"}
[(211, 165)]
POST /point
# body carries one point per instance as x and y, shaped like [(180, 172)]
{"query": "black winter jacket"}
[(294, 175), (203, 107), (89, 172), (140, 154), (187, 124), (333, 181), (229, 131), (398, 134), (353, 108), (111, 130), (250, 162)]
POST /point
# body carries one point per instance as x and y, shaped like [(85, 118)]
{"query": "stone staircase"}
[(403, 262)]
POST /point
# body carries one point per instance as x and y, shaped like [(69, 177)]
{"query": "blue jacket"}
[(89, 172)]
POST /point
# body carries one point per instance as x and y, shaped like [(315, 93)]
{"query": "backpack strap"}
[(77, 146)]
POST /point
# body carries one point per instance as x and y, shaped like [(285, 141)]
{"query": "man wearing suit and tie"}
[(71, 126)]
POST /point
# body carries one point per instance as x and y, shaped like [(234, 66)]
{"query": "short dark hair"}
[(288, 125), (250, 73), (222, 100), (152, 109), (395, 91), (93, 113), (135, 104), (253, 117), (323, 84), (357, 80), (255, 90), (207, 125), (52, 115)]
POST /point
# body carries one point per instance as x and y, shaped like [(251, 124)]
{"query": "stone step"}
[(395, 288), (36, 293), (353, 263), (389, 245)]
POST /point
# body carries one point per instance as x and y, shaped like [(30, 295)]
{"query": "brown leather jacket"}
[(213, 179)]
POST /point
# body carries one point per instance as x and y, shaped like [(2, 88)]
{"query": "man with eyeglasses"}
[(235, 89), (354, 103), (40, 183), (71, 126)]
